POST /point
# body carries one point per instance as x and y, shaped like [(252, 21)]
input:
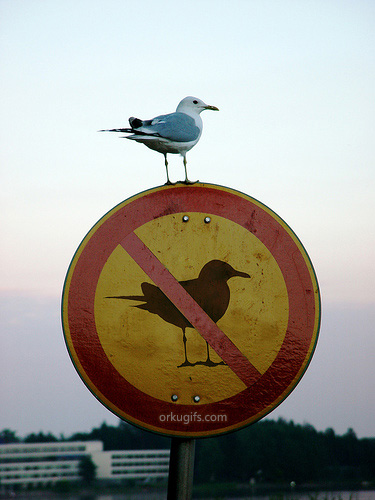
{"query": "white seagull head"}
[(192, 105)]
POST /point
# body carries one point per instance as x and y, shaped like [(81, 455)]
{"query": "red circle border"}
[(144, 410)]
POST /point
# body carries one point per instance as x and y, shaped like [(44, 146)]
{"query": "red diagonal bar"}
[(160, 275)]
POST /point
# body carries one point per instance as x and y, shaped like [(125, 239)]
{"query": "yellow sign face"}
[(147, 351), (191, 310)]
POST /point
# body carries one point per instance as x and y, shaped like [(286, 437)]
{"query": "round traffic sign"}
[(191, 310)]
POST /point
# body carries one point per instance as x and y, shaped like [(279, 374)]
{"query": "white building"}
[(135, 464), (40, 464)]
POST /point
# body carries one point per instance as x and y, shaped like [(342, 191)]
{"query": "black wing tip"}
[(135, 122)]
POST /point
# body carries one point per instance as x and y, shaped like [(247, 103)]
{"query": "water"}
[(147, 495), (322, 495)]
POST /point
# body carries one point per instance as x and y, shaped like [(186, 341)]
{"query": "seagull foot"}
[(169, 183), (187, 181)]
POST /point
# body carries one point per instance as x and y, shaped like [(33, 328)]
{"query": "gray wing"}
[(176, 127)]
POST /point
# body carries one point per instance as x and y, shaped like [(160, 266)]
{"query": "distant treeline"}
[(268, 451)]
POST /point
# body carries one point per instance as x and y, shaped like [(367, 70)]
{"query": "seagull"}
[(175, 133), (210, 290)]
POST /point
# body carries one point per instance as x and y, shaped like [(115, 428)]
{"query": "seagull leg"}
[(187, 181), (185, 163), (166, 167)]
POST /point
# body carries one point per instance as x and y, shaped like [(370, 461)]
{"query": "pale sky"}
[(294, 81)]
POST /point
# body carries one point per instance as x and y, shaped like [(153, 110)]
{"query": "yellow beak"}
[(212, 108)]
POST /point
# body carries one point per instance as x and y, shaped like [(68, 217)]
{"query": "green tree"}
[(87, 469), (8, 436), (40, 438), (210, 461)]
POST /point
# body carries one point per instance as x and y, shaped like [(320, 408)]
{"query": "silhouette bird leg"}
[(184, 339), (166, 167), (208, 353), (209, 361)]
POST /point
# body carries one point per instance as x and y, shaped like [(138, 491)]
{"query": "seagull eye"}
[(195, 102)]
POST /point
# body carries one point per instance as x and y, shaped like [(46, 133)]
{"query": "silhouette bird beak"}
[(241, 274)]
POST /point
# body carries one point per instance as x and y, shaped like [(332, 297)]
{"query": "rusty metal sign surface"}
[(191, 310)]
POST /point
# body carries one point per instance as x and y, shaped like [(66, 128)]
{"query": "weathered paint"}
[(132, 360)]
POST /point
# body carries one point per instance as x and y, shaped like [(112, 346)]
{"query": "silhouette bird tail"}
[(129, 297), (140, 298)]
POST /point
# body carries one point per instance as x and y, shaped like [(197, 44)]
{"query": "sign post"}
[(181, 469), (191, 311)]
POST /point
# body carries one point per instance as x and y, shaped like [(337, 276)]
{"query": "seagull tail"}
[(129, 130), (137, 134)]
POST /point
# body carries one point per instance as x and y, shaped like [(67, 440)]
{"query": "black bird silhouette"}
[(210, 290)]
